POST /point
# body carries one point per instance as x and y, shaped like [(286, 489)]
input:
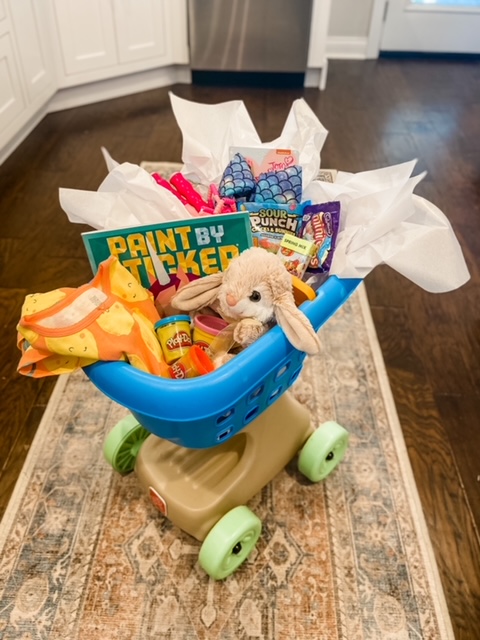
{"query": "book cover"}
[(198, 246)]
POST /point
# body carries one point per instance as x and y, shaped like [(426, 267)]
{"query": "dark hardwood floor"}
[(378, 113)]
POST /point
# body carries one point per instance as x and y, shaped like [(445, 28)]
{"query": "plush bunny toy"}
[(253, 292)]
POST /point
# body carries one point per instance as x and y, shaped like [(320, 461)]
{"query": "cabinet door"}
[(86, 34), (11, 99), (142, 29), (30, 25)]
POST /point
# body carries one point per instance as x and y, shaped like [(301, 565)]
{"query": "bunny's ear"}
[(296, 325), (198, 293)]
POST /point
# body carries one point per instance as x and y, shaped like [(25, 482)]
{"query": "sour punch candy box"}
[(270, 221)]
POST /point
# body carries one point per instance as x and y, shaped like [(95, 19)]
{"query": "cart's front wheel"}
[(123, 443), (323, 451), (229, 542)]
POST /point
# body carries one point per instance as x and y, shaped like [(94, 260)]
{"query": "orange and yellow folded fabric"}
[(110, 318)]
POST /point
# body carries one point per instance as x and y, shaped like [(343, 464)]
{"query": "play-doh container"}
[(206, 329), (175, 336), (195, 362)]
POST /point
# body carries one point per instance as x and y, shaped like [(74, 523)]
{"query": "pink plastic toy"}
[(186, 189), (164, 183)]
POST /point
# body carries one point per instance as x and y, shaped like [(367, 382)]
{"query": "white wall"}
[(350, 18), (349, 28)]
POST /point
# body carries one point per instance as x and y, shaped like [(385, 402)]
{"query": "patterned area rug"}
[(85, 555)]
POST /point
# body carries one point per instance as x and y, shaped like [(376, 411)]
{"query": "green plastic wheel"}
[(123, 443), (323, 451), (230, 542)]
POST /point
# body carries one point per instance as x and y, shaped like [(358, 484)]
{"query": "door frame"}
[(376, 28)]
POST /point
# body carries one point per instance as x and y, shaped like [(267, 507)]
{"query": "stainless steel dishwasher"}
[(249, 35)]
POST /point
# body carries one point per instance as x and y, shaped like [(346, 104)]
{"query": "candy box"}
[(270, 221), (320, 223), (296, 254)]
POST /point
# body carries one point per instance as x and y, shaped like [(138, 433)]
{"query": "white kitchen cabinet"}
[(103, 39), (57, 54), (86, 35), (11, 98), (142, 30), (27, 79), (31, 26)]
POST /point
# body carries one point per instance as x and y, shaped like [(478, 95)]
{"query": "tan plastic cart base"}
[(194, 488)]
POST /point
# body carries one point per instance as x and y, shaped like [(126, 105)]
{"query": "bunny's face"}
[(246, 300), (250, 285)]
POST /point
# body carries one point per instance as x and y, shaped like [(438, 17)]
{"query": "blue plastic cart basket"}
[(200, 413)]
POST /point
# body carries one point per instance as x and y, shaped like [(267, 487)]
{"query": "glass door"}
[(432, 26)]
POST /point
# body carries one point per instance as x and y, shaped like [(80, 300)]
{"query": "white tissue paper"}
[(209, 130), (383, 222), (128, 197)]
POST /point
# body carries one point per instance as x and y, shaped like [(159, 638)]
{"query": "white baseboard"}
[(17, 139), (97, 91), (347, 48), (118, 87)]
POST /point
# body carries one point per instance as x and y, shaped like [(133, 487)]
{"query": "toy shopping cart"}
[(203, 447)]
